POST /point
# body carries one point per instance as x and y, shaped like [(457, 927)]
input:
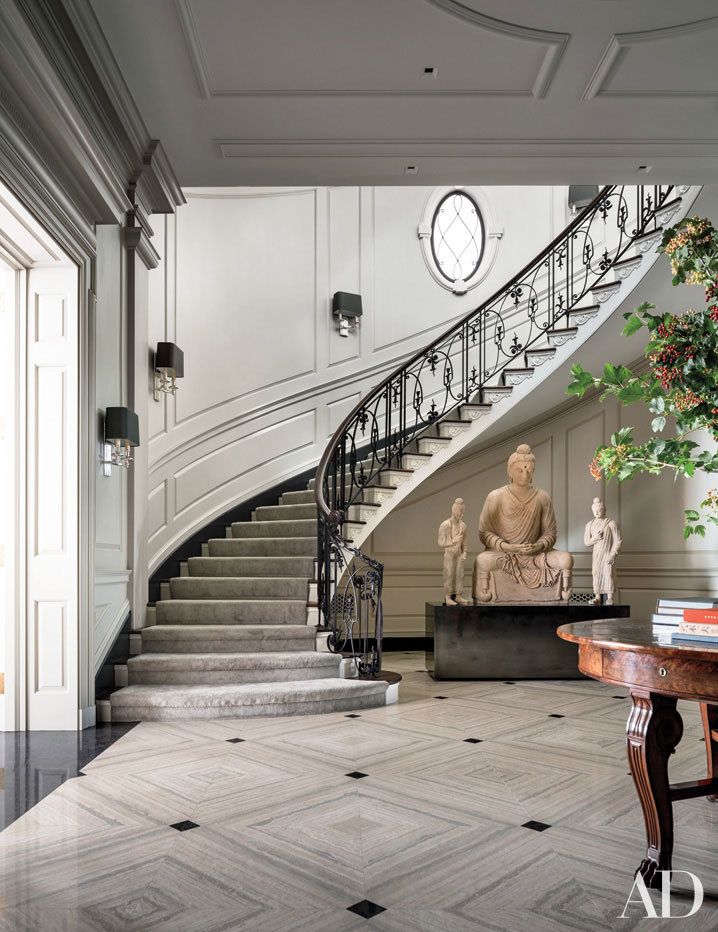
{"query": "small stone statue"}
[(518, 529), (452, 537), (603, 535)]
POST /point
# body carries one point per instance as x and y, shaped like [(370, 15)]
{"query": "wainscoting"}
[(654, 559)]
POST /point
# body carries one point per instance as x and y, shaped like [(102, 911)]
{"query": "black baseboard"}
[(406, 644), (118, 653), (192, 547)]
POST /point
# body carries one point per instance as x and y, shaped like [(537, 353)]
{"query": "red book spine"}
[(703, 616)]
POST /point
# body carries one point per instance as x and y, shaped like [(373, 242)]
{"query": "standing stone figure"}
[(452, 537), (603, 535), (518, 529)]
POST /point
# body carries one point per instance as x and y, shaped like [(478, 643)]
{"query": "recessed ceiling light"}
[(430, 71), (644, 169), (411, 170)]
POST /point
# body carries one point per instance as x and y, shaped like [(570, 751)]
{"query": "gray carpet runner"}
[(230, 637)]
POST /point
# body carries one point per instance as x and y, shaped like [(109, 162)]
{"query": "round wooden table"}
[(641, 657)]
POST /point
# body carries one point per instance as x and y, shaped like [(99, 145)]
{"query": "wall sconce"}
[(169, 366), (347, 310), (580, 196), (122, 433)]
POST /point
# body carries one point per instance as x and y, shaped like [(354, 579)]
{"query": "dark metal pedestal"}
[(498, 642)]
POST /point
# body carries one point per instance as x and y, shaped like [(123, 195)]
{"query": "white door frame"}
[(71, 706)]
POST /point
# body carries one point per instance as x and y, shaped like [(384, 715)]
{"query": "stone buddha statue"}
[(518, 529)]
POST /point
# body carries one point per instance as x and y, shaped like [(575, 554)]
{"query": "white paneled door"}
[(52, 609)]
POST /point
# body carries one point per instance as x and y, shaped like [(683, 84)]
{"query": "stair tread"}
[(246, 693), (238, 632), (248, 660)]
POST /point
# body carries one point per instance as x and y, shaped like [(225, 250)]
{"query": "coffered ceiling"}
[(286, 92)]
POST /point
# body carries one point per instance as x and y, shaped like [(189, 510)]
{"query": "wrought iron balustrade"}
[(532, 310)]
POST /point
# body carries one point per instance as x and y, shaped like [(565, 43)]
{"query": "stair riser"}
[(264, 547), (297, 498), (285, 513), (253, 529), (298, 567), (227, 588), (199, 645), (204, 612), (311, 707), (228, 677)]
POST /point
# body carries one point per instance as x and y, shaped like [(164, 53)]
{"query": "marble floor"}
[(467, 806)]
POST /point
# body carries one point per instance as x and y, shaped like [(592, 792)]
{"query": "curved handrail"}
[(459, 364), (322, 505)]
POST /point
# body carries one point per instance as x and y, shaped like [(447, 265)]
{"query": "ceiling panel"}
[(281, 92)]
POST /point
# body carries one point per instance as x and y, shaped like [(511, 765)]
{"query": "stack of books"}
[(670, 611), (698, 624)]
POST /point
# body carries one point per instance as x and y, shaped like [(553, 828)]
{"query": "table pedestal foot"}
[(653, 731)]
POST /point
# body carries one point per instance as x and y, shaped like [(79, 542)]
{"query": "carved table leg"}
[(709, 715), (653, 731)]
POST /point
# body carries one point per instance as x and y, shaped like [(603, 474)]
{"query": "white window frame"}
[(492, 236)]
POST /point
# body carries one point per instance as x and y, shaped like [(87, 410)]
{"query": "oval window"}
[(457, 237)]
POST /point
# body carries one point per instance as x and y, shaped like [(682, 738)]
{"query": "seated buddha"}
[(518, 529)]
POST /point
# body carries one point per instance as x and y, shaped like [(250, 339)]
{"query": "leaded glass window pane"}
[(457, 237)]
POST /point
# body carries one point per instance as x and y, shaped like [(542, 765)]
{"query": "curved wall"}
[(245, 290)]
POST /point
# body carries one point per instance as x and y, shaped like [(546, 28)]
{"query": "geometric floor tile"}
[(366, 909), (184, 826), (436, 841)]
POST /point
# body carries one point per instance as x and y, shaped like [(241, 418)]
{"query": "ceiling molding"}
[(555, 43), (444, 147), (622, 42)]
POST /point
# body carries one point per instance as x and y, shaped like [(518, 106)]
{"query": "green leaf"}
[(630, 393), (692, 514), (633, 325), (657, 424)]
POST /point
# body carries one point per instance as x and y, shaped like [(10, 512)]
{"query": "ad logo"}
[(647, 904)]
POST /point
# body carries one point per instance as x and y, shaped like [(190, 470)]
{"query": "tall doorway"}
[(39, 469)]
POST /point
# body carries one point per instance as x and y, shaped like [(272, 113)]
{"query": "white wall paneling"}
[(52, 498), (654, 560), (111, 492), (245, 290)]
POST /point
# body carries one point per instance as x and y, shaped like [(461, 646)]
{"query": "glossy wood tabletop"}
[(634, 634)]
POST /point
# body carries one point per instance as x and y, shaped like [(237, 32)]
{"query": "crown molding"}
[(555, 43), (622, 42), (135, 239)]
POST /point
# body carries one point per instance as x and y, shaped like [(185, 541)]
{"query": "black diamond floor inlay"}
[(556, 715), (619, 697), (509, 683), (536, 826), (184, 826), (473, 740), (441, 697), (356, 775), (235, 740), (366, 909), (352, 715)]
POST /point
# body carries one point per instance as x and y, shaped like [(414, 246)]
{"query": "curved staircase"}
[(236, 634)]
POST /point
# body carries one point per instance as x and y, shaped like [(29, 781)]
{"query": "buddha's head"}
[(457, 509), (521, 465), (598, 508)]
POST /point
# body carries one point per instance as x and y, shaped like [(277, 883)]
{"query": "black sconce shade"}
[(347, 304), (170, 357), (123, 425), (581, 195)]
